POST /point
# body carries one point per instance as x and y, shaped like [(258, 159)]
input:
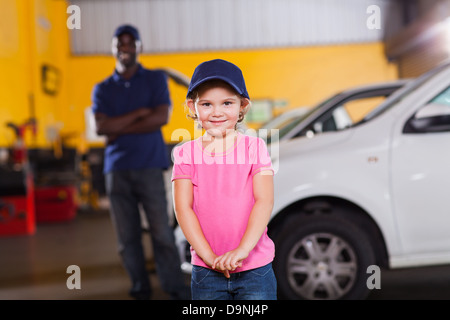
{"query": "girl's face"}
[(217, 109)]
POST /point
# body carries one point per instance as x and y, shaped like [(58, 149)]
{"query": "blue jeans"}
[(126, 190), (255, 284)]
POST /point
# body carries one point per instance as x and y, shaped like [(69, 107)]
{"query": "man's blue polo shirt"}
[(115, 96)]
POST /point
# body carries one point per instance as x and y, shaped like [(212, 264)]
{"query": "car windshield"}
[(405, 91)]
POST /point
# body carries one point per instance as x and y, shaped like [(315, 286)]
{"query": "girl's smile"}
[(217, 122)]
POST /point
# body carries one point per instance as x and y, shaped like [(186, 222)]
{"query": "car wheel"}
[(322, 257)]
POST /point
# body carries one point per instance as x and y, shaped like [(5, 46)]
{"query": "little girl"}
[(223, 191)]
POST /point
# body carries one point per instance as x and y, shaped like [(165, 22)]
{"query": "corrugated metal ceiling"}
[(198, 25)]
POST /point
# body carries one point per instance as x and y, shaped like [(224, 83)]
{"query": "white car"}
[(370, 195), (374, 194)]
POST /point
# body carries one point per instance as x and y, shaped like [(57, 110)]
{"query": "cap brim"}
[(227, 80)]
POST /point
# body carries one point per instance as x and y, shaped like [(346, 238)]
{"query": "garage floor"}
[(34, 267)]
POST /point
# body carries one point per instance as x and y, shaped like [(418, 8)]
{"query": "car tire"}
[(322, 257)]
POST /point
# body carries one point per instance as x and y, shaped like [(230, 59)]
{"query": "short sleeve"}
[(259, 157), (182, 164), (161, 89)]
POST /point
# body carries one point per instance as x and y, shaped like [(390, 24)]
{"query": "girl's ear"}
[(245, 104), (191, 105)]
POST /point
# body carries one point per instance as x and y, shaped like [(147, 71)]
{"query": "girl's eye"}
[(206, 104), (228, 103)]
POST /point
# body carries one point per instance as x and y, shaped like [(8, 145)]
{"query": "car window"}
[(443, 98), (285, 127), (342, 111), (347, 114), (434, 116), (288, 126), (286, 122), (281, 123), (281, 129), (359, 108)]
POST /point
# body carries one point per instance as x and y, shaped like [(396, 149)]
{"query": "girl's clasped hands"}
[(230, 261)]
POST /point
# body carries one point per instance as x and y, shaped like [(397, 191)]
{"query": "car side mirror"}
[(431, 118), (318, 127)]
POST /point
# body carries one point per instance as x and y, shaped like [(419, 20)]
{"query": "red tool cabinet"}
[(17, 207), (55, 203)]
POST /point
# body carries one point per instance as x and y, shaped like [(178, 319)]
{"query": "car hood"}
[(322, 143)]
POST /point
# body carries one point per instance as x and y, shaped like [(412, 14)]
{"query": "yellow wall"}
[(298, 76), (33, 34), (16, 79)]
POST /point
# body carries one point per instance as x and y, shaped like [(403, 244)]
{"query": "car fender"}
[(342, 165)]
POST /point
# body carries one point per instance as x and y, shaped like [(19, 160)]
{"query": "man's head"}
[(126, 45)]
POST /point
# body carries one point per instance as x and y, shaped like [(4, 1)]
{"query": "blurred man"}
[(130, 107)]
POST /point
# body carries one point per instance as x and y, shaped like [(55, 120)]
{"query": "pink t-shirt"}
[(223, 194)]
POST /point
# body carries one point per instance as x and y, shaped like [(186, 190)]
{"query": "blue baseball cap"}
[(218, 69), (127, 28)]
